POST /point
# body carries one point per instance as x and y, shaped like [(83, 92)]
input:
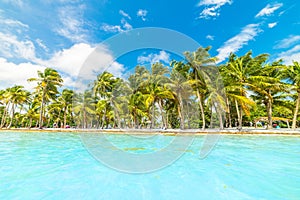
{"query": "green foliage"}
[(192, 93)]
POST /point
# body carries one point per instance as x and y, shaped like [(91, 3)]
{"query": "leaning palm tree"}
[(292, 73), (244, 74), (155, 90), (17, 96), (269, 86), (65, 101), (180, 87), (197, 60), (47, 88)]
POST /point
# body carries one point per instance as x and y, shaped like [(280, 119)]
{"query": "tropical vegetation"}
[(191, 93)]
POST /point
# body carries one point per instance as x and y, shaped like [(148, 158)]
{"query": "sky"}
[(70, 35)]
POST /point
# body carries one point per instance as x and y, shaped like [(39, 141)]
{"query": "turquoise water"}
[(57, 166)]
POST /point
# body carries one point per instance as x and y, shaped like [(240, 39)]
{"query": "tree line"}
[(191, 93)]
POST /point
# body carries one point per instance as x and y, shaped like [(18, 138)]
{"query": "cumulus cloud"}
[(153, 58), (272, 25), (84, 60), (212, 8), (17, 74), (237, 42), (269, 10), (288, 42), (80, 62), (142, 14)]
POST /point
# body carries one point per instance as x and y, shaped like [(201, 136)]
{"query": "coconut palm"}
[(292, 73), (180, 87), (197, 60), (244, 74), (65, 101), (17, 96), (156, 90), (47, 88), (84, 106), (269, 86)]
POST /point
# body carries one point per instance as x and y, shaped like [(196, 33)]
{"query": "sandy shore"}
[(245, 131)]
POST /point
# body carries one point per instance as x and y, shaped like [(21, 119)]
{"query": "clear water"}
[(57, 166)]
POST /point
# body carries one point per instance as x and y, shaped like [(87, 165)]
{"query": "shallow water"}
[(40, 165)]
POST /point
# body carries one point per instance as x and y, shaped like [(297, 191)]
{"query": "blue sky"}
[(62, 33)]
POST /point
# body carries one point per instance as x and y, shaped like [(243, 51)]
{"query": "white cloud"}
[(288, 42), (272, 25), (212, 7), (11, 47), (210, 37), (72, 23), (269, 9), (237, 42), (13, 23), (124, 14), (112, 28), (153, 58), (70, 60), (125, 26), (290, 55), (142, 14), (81, 62), (41, 44), (17, 74)]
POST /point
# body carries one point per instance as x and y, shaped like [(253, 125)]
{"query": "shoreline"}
[(245, 131)]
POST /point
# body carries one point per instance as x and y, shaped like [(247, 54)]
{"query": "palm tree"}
[(65, 101), (244, 74), (197, 60), (84, 107), (6, 102), (17, 96), (156, 90), (137, 95), (269, 86), (48, 81), (292, 73), (180, 87)]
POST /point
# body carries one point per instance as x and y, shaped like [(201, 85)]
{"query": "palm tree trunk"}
[(201, 109), (12, 115), (30, 123), (241, 119), (180, 110), (162, 113), (211, 117), (4, 115), (229, 113), (41, 112), (239, 114), (219, 113), (153, 115), (296, 112), (65, 117), (269, 110)]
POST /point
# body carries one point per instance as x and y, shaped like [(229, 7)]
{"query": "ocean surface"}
[(41, 165)]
